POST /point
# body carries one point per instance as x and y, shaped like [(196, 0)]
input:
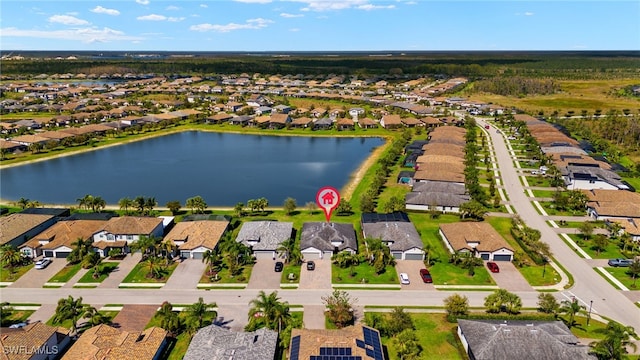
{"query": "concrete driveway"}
[(509, 278), (412, 268), (320, 278), (233, 317), (186, 275), (263, 276), (124, 268), (35, 278)]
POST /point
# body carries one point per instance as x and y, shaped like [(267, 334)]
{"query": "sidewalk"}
[(124, 267)]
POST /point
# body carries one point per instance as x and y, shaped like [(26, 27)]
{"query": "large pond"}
[(223, 168)]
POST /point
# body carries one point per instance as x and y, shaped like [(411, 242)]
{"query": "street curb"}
[(611, 278)]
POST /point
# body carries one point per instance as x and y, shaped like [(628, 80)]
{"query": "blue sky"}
[(319, 25)]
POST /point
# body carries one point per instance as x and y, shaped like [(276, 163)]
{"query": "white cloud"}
[(152, 17), (294, 29), (143, 2), (172, 8), (287, 15), (251, 24), (85, 35), (103, 10), (204, 6), (528, 13), (375, 7), (67, 20), (175, 19), (328, 5), (254, 1)]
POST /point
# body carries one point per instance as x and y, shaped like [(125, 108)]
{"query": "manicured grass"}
[(139, 274), (635, 182), (532, 273), (620, 273), (543, 193), (435, 335), (549, 208), (363, 271), (8, 275), (104, 270), (537, 180), (581, 330), (612, 250), (225, 278), (17, 316), (291, 269), (65, 274), (444, 273)]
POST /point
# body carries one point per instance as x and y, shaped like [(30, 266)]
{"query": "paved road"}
[(589, 286)]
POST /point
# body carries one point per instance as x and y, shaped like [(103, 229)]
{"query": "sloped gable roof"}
[(264, 235), (401, 236), (321, 235)]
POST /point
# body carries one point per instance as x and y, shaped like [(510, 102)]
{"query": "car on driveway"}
[(311, 265), (42, 263), (404, 279), (493, 267), (18, 325), (620, 262), (279, 266), (426, 276)]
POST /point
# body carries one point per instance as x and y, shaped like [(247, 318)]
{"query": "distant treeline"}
[(477, 65), (516, 86)]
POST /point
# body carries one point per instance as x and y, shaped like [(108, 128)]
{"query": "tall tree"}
[(617, 338), (407, 345), (10, 256), (70, 309), (290, 205), (547, 303), (456, 305), (174, 206), (268, 311), (169, 319), (196, 314), (571, 308), (340, 308), (125, 204)]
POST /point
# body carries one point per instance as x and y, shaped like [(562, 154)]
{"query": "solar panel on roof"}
[(295, 348)]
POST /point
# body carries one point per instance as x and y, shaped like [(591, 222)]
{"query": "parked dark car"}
[(426, 276), (493, 267), (620, 262), (279, 266), (311, 265)]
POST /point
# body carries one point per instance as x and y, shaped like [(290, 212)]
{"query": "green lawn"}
[(65, 274), (444, 273), (363, 271), (17, 316), (140, 273), (435, 335), (581, 330), (291, 269), (104, 270), (543, 193), (634, 181), (620, 273), (9, 275), (612, 250), (549, 208), (225, 278), (537, 180)]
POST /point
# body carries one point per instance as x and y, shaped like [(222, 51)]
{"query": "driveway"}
[(124, 268), (313, 317), (412, 268), (320, 278), (263, 276), (186, 275), (509, 278), (134, 317), (35, 278), (233, 317)]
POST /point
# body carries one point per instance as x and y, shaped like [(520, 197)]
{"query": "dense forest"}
[(558, 65)]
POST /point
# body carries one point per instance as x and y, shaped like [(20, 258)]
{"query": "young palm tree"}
[(169, 320), (125, 204), (571, 308), (10, 256), (615, 342), (95, 317), (196, 313), (22, 203), (265, 308), (168, 247), (70, 309), (285, 249), (154, 267), (211, 258)]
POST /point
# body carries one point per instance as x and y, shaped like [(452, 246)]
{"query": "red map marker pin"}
[(328, 199)]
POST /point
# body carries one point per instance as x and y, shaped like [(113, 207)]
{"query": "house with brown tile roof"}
[(30, 139), (443, 166), (445, 159), (612, 204), (129, 229), (442, 175), (411, 122), (194, 238), (478, 239), (391, 122), (345, 124), (219, 118), (630, 226), (279, 120), (57, 240), (16, 229), (431, 122), (367, 123), (34, 341), (357, 341), (55, 135), (107, 343), (302, 122), (444, 149)]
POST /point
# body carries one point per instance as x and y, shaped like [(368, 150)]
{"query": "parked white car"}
[(43, 263), (404, 279)]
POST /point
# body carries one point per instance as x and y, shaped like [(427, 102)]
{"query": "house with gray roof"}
[(396, 231), (522, 340), (321, 239), (217, 343), (587, 177), (264, 237)]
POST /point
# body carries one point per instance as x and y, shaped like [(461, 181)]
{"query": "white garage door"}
[(264, 254)]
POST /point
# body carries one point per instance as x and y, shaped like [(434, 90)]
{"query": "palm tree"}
[(269, 309), (571, 308), (95, 317), (211, 258), (155, 268), (169, 320), (149, 204), (70, 309), (615, 342), (98, 204), (168, 247), (23, 203), (140, 204), (285, 249), (10, 256), (85, 202), (196, 313), (125, 203)]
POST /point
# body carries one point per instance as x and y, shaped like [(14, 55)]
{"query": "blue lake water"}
[(223, 168)]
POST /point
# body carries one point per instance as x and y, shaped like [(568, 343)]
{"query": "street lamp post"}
[(589, 315)]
